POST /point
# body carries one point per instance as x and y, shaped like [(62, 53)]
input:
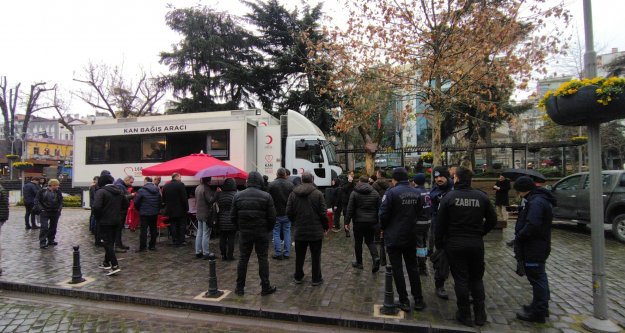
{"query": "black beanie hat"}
[(524, 184), (440, 171), (400, 174)]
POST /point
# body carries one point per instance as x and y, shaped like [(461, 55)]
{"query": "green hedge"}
[(68, 201)]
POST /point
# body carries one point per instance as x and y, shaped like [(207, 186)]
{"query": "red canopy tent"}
[(188, 166)]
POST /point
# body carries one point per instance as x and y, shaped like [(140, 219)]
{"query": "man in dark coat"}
[(442, 186), (306, 207), (502, 187), (176, 208), (50, 202), (227, 229), (4, 212), (107, 205), (254, 214), (280, 189), (30, 191), (362, 209), (148, 202), (347, 186), (400, 209), (124, 185), (533, 245), (465, 215)]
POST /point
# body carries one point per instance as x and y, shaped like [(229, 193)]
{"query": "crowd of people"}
[(397, 219)]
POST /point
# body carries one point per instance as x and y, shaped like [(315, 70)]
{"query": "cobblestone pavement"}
[(174, 273)]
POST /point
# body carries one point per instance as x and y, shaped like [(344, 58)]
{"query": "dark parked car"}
[(573, 198)]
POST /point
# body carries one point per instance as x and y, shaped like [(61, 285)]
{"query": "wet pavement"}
[(173, 273)]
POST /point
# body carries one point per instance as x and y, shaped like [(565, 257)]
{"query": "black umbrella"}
[(516, 173)]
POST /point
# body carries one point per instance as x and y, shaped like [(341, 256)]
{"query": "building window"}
[(36, 150)]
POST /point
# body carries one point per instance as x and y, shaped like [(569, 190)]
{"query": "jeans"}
[(283, 224), (226, 243), (537, 276), (466, 261), (49, 222), (148, 221), (202, 238), (315, 255), (249, 241), (395, 255), (30, 216), (366, 233), (108, 232)]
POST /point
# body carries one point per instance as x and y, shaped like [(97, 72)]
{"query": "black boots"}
[(532, 317)]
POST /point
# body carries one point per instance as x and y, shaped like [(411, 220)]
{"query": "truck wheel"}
[(618, 228)]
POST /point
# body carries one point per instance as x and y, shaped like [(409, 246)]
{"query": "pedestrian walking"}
[(306, 207), (533, 245), (205, 198), (400, 208), (253, 213), (363, 208), (124, 185), (465, 215), (4, 214), (502, 187), (29, 192), (176, 208), (442, 186), (280, 189), (223, 222), (148, 202), (107, 207), (49, 201), (423, 222)]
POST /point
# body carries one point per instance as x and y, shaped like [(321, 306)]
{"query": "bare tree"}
[(109, 91)]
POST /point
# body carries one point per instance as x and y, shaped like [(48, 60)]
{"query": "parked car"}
[(573, 195)]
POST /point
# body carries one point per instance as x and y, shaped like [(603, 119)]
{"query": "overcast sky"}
[(52, 41)]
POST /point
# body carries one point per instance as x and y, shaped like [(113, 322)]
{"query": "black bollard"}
[(213, 290), (389, 308), (76, 273)]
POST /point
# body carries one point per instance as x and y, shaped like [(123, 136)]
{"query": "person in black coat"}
[(280, 189), (362, 209), (502, 187), (347, 186), (107, 207), (533, 245), (30, 191), (148, 202), (253, 213), (176, 208), (49, 201), (126, 186), (227, 230), (4, 212)]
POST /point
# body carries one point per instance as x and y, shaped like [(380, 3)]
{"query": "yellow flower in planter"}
[(607, 88)]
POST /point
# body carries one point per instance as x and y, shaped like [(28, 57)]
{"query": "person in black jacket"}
[(280, 189), (176, 208), (400, 209), (49, 201), (306, 207), (107, 205), (502, 187), (92, 221), (465, 215), (442, 186), (227, 230), (533, 245), (363, 207), (4, 213), (253, 213), (148, 202), (126, 186), (30, 191), (347, 186)]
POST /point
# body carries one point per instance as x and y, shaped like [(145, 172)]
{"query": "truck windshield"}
[(330, 152)]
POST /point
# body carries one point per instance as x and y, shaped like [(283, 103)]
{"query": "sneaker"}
[(317, 283), (198, 256), (277, 257), (45, 246), (268, 291), (419, 304), (336, 229), (285, 257), (104, 266), (114, 270), (442, 293), (404, 305), (239, 292), (28, 227), (298, 281), (52, 243), (357, 265), (36, 227)]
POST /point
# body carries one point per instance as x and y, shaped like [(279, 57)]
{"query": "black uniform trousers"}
[(301, 246), (259, 242), (466, 261), (395, 255), (148, 221), (366, 233)]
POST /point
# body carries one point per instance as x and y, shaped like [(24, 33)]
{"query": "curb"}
[(309, 317)]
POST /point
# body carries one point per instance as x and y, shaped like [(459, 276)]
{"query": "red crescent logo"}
[(263, 123), (269, 139)]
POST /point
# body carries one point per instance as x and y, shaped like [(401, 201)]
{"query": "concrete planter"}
[(582, 108)]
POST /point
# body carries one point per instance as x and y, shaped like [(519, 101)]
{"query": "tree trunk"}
[(370, 163)]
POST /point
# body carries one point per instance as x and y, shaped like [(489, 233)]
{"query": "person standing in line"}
[(49, 202), (347, 187), (280, 189), (254, 214), (29, 192), (107, 207), (465, 215), (306, 207), (92, 224), (442, 186), (363, 208), (4, 214), (123, 185), (423, 222), (502, 187), (204, 198), (176, 208), (148, 202), (227, 230), (401, 206), (381, 183), (533, 245)]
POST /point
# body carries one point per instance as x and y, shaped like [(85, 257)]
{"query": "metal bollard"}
[(213, 290), (389, 308), (76, 272)]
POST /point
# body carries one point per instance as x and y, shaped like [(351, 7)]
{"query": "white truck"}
[(251, 140)]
